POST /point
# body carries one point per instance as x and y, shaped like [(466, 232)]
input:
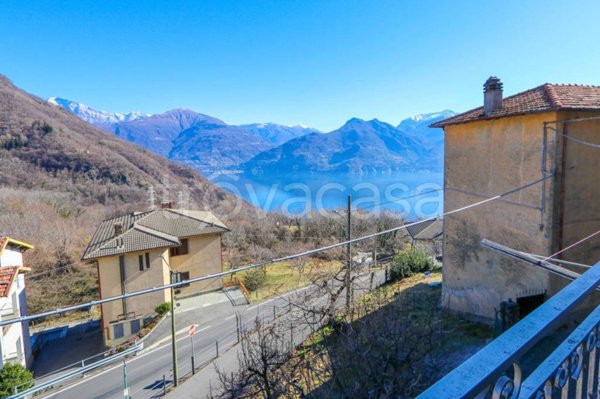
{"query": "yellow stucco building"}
[(139, 250), (551, 130)]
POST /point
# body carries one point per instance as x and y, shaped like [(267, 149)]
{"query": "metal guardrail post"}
[(40, 387)]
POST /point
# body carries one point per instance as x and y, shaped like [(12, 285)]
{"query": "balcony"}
[(570, 371)]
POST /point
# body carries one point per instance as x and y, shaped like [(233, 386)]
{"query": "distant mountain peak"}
[(94, 116), (433, 115)]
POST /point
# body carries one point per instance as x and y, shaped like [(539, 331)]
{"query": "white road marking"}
[(87, 379), (253, 307), (230, 317), (168, 338)]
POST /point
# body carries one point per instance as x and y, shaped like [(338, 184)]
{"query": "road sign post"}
[(191, 333), (125, 386)]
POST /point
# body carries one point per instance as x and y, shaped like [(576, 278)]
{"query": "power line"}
[(362, 208), (571, 246), (51, 270), (266, 263), (580, 141)]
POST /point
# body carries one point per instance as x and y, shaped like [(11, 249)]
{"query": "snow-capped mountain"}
[(433, 116), (93, 116), (209, 144), (418, 126)]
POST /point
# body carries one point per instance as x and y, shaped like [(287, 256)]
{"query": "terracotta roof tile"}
[(544, 98), (7, 276)]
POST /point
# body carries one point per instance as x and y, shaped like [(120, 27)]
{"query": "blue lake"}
[(306, 193)]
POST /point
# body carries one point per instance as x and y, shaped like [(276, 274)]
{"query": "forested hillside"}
[(60, 176)]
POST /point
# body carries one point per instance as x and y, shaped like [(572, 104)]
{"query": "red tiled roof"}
[(544, 98), (7, 276)]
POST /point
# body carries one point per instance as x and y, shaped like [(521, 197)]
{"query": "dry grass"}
[(287, 276), (460, 337)]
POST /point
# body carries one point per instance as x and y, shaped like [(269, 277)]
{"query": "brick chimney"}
[(166, 205), (492, 95), (118, 228)]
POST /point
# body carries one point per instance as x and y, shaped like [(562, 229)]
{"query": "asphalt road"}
[(146, 370), (200, 385)]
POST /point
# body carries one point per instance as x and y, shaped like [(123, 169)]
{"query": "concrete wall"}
[(581, 187), (135, 280), (12, 340), (11, 257), (204, 257), (483, 159)]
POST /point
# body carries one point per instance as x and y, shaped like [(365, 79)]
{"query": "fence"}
[(43, 386), (156, 385)]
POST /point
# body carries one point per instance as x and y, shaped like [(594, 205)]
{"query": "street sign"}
[(192, 330)]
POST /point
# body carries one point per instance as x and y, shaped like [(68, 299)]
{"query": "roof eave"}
[(93, 258), (448, 122)]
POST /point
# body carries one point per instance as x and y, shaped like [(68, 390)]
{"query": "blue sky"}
[(316, 63)]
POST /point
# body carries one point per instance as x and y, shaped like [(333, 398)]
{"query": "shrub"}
[(47, 128), (163, 308), (14, 375), (255, 278), (409, 262)]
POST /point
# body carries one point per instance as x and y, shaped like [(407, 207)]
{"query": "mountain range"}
[(211, 145), (42, 147), (183, 135)]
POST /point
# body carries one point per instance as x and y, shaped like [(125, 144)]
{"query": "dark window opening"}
[(118, 331), (529, 303), (135, 326), (182, 276), (180, 250), (141, 259)]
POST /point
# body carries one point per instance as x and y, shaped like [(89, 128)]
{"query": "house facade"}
[(15, 346), (551, 130), (140, 250), (427, 236)]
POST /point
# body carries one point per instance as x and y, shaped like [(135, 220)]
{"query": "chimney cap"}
[(493, 83)]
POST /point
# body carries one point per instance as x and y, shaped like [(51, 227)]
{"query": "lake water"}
[(306, 193)]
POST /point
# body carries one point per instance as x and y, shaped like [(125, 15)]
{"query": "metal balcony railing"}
[(571, 371)]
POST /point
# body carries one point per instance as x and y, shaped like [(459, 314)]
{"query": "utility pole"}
[(349, 255), (173, 338)]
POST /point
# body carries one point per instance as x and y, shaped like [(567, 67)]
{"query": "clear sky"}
[(316, 63)]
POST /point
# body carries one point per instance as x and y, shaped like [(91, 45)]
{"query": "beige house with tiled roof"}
[(138, 250), (14, 338), (553, 130)]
